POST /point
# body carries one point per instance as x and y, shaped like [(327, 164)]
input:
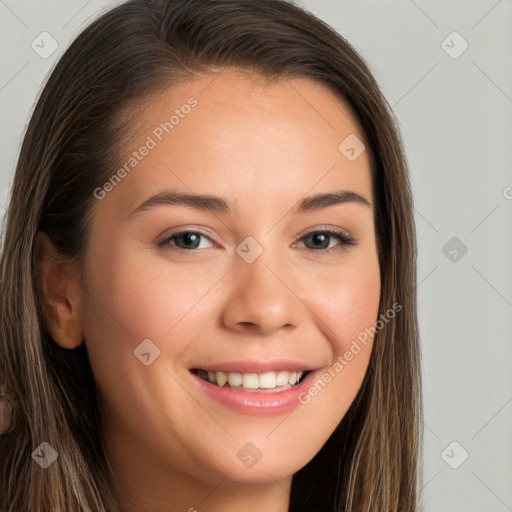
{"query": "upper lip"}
[(256, 366)]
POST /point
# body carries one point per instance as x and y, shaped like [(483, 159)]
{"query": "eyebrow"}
[(217, 204)]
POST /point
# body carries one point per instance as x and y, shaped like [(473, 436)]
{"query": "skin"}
[(262, 146)]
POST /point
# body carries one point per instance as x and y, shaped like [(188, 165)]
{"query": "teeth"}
[(250, 381), (282, 378), (220, 377), (234, 379), (268, 380)]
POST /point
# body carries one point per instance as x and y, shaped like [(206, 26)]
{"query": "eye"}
[(322, 240), (183, 240)]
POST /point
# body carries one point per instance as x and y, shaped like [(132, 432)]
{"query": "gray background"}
[(455, 114)]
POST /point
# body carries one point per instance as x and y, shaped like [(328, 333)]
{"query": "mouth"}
[(268, 382)]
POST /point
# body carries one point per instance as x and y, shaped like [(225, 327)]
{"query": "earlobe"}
[(58, 293)]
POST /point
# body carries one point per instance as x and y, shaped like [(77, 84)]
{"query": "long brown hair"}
[(371, 462)]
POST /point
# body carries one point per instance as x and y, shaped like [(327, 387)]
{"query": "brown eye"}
[(183, 240), (322, 239)]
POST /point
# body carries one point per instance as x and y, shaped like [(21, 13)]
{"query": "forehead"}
[(243, 136)]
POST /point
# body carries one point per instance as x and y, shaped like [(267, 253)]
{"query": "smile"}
[(254, 386), (273, 381)]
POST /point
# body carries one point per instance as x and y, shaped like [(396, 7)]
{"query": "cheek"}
[(135, 295), (352, 306), (333, 390), (347, 319)]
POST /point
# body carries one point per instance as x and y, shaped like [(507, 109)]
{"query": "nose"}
[(262, 297)]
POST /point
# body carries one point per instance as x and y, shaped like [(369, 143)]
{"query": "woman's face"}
[(243, 284)]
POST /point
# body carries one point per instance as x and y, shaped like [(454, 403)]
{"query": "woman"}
[(258, 370)]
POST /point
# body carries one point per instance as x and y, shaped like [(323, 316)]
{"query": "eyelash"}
[(345, 240)]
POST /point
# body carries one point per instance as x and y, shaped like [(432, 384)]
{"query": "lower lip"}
[(255, 402)]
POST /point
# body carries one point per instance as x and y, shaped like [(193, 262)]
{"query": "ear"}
[(59, 290)]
